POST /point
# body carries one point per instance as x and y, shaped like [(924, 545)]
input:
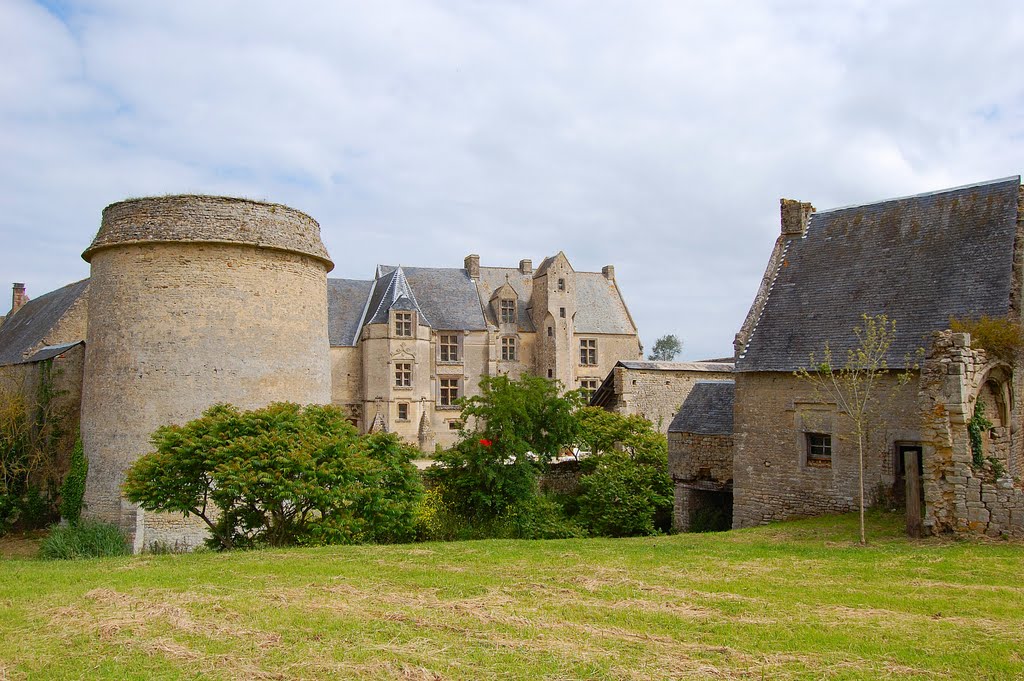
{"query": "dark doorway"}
[(909, 468), (710, 511)]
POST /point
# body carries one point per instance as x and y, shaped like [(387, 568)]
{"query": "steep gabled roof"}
[(599, 306), (919, 260), (446, 298), (27, 328), (346, 300), (707, 410)]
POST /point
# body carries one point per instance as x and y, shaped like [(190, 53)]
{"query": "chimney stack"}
[(473, 266), (609, 272), (18, 297), (526, 267), (795, 215)]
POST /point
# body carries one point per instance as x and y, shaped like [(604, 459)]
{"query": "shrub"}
[(998, 336), (541, 518), (73, 489), (278, 476), (625, 497), (87, 539)]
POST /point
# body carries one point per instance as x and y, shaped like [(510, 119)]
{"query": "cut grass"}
[(794, 600)]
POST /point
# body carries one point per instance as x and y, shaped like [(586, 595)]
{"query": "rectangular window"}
[(551, 373), (448, 344), (561, 312), (508, 348), (551, 331), (561, 284), (403, 324), (508, 312), (403, 411), (589, 385), (588, 351), (403, 374), (819, 449), (449, 391), (454, 425)]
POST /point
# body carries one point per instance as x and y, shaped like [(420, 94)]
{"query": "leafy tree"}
[(857, 386), (666, 348), (280, 475), (627, 490), (517, 426)]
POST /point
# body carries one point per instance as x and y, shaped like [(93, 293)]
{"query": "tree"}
[(280, 475), (517, 426), (665, 349), (626, 490), (856, 387)]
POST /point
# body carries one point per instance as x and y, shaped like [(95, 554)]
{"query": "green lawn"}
[(794, 600)]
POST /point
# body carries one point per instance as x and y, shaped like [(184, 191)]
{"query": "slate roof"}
[(493, 278), (919, 260), (51, 351), (707, 410), (599, 307), (446, 298), (346, 299), (706, 365), (26, 328)]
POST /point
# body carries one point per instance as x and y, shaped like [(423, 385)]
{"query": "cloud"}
[(655, 136)]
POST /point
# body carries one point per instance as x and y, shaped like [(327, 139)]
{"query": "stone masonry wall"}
[(773, 479), (176, 327), (658, 394), (959, 496), (700, 457)]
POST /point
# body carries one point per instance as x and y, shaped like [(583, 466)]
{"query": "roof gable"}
[(26, 329), (919, 260)]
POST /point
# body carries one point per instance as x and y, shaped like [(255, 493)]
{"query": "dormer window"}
[(508, 311), (561, 284), (403, 324)]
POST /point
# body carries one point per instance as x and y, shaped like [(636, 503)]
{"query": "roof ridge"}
[(937, 192)]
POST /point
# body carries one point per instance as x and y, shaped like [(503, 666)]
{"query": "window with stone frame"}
[(561, 284), (819, 449), (588, 351), (508, 311), (590, 385), (450, 390), (508, 348), (403, 411), (403, 374), (449, 347), (403, 324)]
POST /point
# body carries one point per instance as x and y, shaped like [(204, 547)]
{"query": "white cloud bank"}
[(654, 136)]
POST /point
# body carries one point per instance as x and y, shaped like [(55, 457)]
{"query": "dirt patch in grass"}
[(21, 546)]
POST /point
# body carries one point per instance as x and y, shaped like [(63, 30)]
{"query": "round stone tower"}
[(194, 301)]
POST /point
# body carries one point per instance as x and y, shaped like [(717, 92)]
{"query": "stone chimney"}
[(794, 216), (609, 272), (473, 266), (18, 297), (526, 267)]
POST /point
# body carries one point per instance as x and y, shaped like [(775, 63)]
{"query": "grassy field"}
[(795, 600)]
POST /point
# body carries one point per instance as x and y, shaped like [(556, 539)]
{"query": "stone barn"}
[(920, 260)]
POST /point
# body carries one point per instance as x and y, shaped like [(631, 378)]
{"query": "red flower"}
[(485, 442)]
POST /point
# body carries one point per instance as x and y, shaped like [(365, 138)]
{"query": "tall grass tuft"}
[(87, 539)]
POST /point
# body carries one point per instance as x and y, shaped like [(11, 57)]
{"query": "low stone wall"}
[(700, 457)]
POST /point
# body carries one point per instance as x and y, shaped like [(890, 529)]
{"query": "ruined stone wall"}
[(772, 477), (184, 313), (959, 495), (657, 395)]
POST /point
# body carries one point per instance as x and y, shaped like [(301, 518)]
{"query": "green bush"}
[(87, 539), (73, 489), (541, 518), (280, 475), (998, 336), (626, 496)]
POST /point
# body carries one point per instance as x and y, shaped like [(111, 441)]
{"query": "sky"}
[(655, 136)]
